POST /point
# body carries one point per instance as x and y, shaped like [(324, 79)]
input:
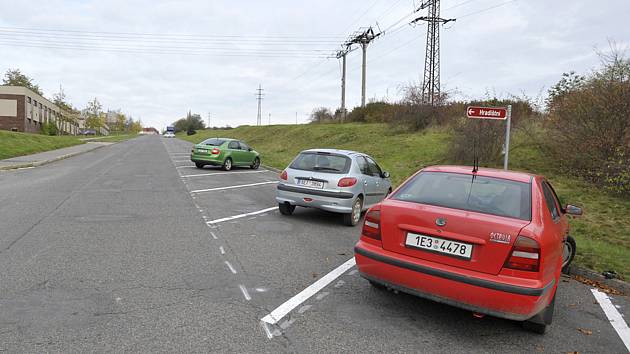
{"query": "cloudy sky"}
[(155, 60)]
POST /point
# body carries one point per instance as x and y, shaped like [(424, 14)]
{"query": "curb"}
[(45, 162), (598, 279), (271, 168)]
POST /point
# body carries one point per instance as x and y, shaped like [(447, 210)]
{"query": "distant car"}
[(169, 135), (339, 181), (87, 132), (224, 152), (489, 241)]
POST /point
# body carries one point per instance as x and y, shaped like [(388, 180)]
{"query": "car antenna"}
[(475, 156)]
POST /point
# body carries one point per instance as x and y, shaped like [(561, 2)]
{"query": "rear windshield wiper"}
[(319, 168)]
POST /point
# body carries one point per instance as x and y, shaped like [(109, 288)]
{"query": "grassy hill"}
[(602, 234), (18, 144)]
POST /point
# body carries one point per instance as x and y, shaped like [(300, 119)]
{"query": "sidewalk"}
[(43, 158)]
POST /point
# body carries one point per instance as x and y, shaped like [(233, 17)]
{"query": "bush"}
[(483, 136), (50, 128), (589, 125)]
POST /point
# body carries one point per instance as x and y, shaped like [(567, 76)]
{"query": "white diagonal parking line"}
[(233, 187), (282, 310), (222, 173), (211, 222), (615, 318)]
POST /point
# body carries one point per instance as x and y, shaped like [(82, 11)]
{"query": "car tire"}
[(353, 218), (538, 324), (199, 164), (255, 164), (227, 164), (286, 208), (376, 285), (538, 328), (568, 253)]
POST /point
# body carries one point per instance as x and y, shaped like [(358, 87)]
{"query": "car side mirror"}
[(573, 210), (385, 174), (250, 149)]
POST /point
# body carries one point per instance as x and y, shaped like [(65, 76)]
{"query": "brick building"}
[(25, 111)]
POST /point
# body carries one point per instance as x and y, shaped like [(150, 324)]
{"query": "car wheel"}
[(227, 164), (377, 285), (539, 328), (199, 164), (286, 208), (568, 252), (256, 164), (538, 324), (354, 217)]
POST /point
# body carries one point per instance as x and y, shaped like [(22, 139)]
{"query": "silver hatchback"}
[(339, 181)]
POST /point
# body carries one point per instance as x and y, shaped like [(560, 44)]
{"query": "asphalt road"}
[(129, 248)]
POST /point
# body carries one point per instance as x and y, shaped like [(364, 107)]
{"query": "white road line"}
[(615, 318), (213, 235), (211, 222), (222, 250), (232, 187), (230, 266), (276, 315), (222, 173), (245, 292)]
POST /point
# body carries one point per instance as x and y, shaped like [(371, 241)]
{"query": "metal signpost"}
[(495, 113)]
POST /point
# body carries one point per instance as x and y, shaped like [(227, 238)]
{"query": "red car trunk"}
[(489, 253)]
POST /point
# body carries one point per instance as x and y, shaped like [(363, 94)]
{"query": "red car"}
[(488, 241)]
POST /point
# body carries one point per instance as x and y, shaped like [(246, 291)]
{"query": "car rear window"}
[(321, 162), (213, 142), (458, 191)]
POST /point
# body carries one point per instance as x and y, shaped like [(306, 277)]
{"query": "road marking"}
[(614, 317), (232, 187), (211, 222), (222, 173), (245, 293), (230, 266), (213, 235), (222, 250), (276, 315)]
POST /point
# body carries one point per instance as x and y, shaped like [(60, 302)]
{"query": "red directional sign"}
[(487, 112)]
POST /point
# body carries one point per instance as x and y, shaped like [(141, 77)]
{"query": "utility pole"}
[(208, 119), (363, 37), (431, 81), (259, 97), (342, 54)]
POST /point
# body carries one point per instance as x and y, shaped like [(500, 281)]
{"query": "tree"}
[(94, 117), (321, 114), (190, 123), (14, 77)]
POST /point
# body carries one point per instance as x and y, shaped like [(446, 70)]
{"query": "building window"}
[(28, 99)]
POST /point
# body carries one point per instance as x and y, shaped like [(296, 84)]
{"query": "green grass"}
[(602, 234), (111, 138), (18, 144)]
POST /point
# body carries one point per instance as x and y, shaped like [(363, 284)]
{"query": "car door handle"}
[(365, 182)]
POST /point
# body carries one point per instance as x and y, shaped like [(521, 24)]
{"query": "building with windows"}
[(23, 110)]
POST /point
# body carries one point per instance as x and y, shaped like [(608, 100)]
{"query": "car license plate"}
[(310, 183), (202, 150), (440, 245)]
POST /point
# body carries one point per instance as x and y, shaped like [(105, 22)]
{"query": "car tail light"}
[(525, 255), (215, 151), (372, 225), (284, 175), (347, 182)]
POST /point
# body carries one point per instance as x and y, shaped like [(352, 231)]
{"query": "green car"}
[(224, 152)]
